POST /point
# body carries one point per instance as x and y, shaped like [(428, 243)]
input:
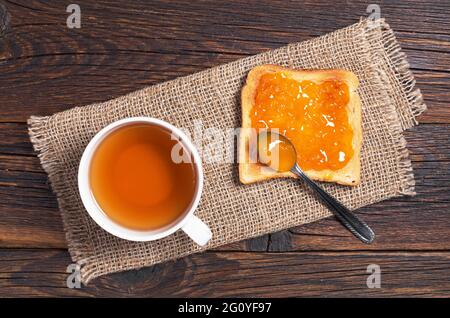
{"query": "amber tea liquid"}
[(135, 181)]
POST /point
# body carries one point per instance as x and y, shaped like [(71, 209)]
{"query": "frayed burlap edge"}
[(397, 60), (38, 126)]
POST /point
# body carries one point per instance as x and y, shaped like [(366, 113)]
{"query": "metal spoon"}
[(285, 159)]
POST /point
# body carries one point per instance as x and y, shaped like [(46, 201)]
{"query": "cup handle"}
[(198, 231)]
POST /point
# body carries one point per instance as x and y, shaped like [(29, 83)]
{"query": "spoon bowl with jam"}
[(277, 152)]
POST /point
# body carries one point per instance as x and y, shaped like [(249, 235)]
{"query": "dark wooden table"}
[(46, 67)]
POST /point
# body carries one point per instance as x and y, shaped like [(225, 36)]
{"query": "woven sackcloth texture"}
[(390, 104)]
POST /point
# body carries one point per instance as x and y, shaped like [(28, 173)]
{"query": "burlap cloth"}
[(234, 211)]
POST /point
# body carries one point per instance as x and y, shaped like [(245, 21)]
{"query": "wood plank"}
[(238, 274), (29, 215), (47, 68)]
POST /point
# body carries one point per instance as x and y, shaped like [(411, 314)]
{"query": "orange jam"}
[(312, 115), (276, 152)]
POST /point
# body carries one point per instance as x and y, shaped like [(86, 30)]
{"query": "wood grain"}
[(236, 274), (121, 47)]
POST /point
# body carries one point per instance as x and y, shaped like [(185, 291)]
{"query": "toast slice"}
[(251, 171)]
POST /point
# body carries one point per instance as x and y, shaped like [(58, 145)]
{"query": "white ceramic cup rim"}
[(101, 217)]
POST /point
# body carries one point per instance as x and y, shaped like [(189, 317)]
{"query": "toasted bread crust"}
[(254, 172)]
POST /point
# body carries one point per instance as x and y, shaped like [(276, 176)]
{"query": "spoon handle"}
[(360, 229)]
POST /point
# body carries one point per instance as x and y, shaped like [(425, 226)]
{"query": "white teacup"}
[(188, 222)]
